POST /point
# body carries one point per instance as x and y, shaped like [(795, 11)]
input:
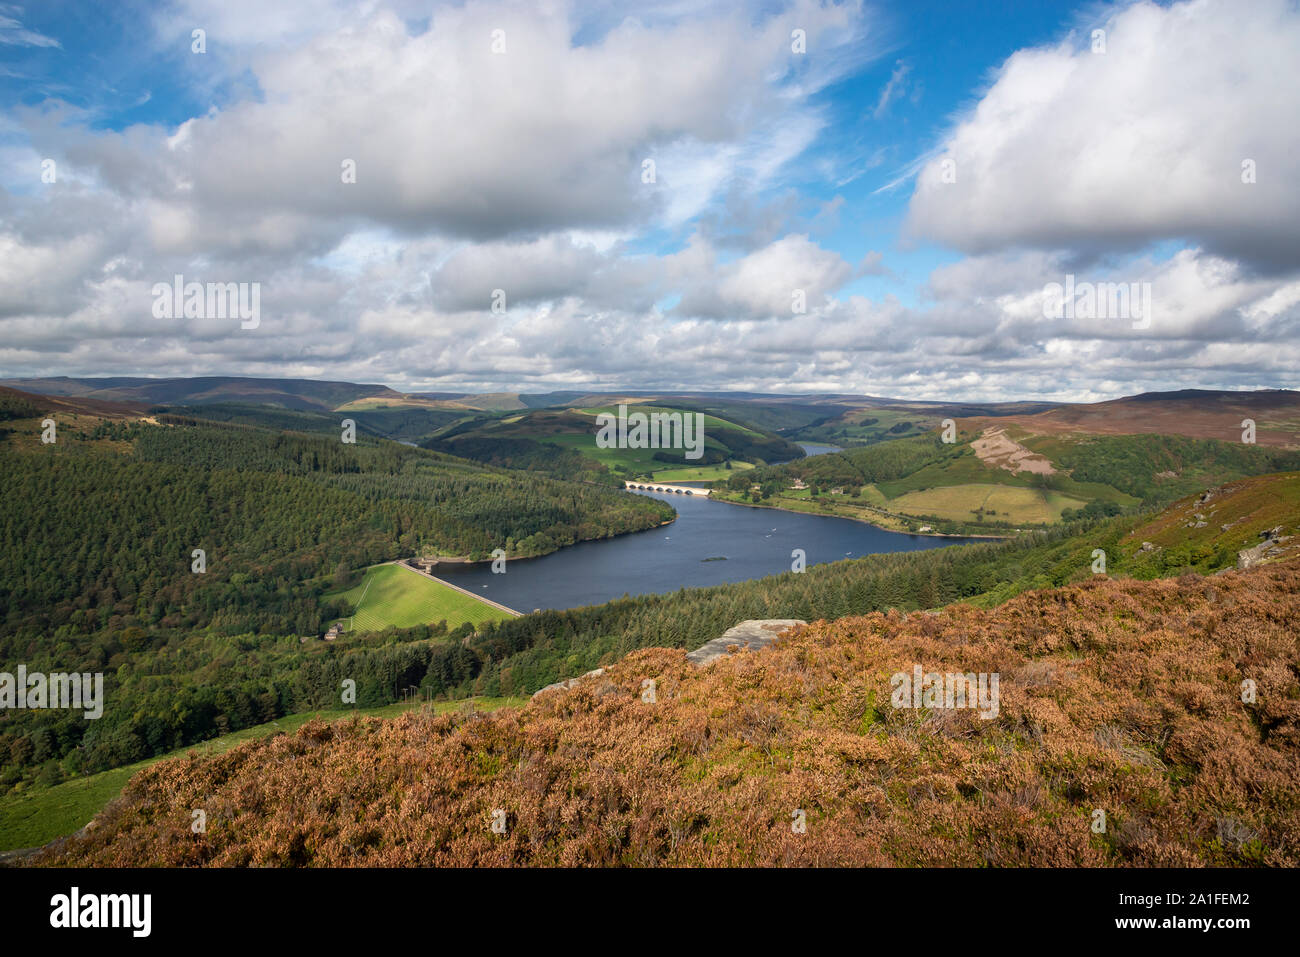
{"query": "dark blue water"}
[(754, 541)]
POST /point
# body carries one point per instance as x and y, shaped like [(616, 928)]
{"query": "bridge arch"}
[(665, 488)]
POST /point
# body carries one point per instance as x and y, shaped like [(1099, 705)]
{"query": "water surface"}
[(742, 542)]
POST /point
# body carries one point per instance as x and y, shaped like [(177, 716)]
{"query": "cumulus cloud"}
[(490, 122), (524, 172), (781, 280), (1146, 141)]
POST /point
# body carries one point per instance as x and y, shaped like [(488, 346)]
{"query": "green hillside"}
[(529, 440), (398, 423), (857, 427), (1118, 692), (399, 597), (1023, 481)]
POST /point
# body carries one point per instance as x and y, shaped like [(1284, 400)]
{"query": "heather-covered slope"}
[(1121, 696), (1193, 413)]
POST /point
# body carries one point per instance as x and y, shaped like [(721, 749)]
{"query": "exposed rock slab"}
[(1273, 539), (747, 636)]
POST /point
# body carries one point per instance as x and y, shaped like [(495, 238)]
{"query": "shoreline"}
[(462, 560), (864, 521)]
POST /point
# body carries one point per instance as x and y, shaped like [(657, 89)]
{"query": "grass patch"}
[(704, 473), (958, 503), (394, 595), (640, 461)]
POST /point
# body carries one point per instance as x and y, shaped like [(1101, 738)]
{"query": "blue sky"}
[(777, 173)]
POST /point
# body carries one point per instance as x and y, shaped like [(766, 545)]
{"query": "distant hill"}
[(285, 393), (831, 418), (529, 438), (30, 403), (470, 402), (403, 423), (1194, 413)]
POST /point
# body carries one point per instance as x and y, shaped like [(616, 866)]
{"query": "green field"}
[(705, 473), (634, 460), (867, 495), (958, 503), (36, 817), (395, 595), (954, 489), (966, 469)]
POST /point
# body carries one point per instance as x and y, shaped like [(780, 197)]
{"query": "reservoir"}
[(812, 448), (710, 543)]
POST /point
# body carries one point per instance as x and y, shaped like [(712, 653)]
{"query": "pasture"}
[(1008, 503), (396, 595)]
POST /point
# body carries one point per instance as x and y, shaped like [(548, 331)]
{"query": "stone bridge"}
[(661, 487)]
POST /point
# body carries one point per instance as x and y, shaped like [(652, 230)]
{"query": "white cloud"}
[(451, 137), (893, 89), (12, 33), (765, 283), (523, 172), (1146, 141)]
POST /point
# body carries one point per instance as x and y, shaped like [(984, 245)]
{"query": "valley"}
[(457, 454), (1109, 700), (304, 592)]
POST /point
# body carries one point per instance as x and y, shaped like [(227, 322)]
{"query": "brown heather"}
[(1118, 695)]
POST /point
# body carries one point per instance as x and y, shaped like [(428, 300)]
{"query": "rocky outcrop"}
[(747, 636), (1250, 557), (569, 682)]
